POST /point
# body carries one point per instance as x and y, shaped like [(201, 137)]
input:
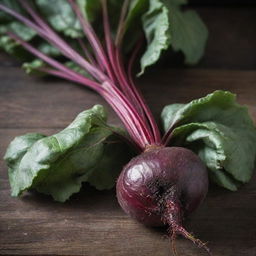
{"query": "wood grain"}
[(42, 103), (92, 223)]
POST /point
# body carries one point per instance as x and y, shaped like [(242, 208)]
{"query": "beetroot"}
[(163, 185)]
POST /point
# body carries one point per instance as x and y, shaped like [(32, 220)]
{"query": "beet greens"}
[(97, 44), (106, 71)]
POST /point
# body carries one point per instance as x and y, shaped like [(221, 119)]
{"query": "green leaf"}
[(102, 177), (8, 44), (19, 29), (9, 24), (19, 146), (33, 66), (220, 131), (136, 9), (188, 32), (58, 164), (49, 49), (90, 8), (13, 4), (163, 22), (61, 17), (22, 31), (156, 25), (133, 24)]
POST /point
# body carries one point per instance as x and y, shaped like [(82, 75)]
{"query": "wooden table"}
[(92, 223)]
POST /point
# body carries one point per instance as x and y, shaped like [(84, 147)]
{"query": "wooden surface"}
[(92, 223)]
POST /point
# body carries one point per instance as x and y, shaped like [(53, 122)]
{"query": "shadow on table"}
[(226, 219)]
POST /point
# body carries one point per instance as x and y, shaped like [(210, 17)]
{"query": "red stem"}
[(107, 34), (126, 101), (114, 57), (87, 53), (136, 118), (80, 80), (113, 96), (55, 40), (128, 122), (93, 39), (169, 133), (90, 83), (140, 98), (125, 86), (121, 24)]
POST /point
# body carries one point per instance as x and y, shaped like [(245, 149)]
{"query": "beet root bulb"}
[(162, 186)]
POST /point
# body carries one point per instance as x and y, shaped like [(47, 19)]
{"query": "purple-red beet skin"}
[(162, 185)]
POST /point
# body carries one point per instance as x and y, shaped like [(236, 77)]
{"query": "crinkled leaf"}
[(220, 131), (8, 44), (49, 49), (13, 4), (19, 29), (188, 32), (19, 146), (58, 164), (156, 25), (9, 24), (61, 17), (33, 66), (163, 22)]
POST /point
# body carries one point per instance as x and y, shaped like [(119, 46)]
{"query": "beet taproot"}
[(162, 186)]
